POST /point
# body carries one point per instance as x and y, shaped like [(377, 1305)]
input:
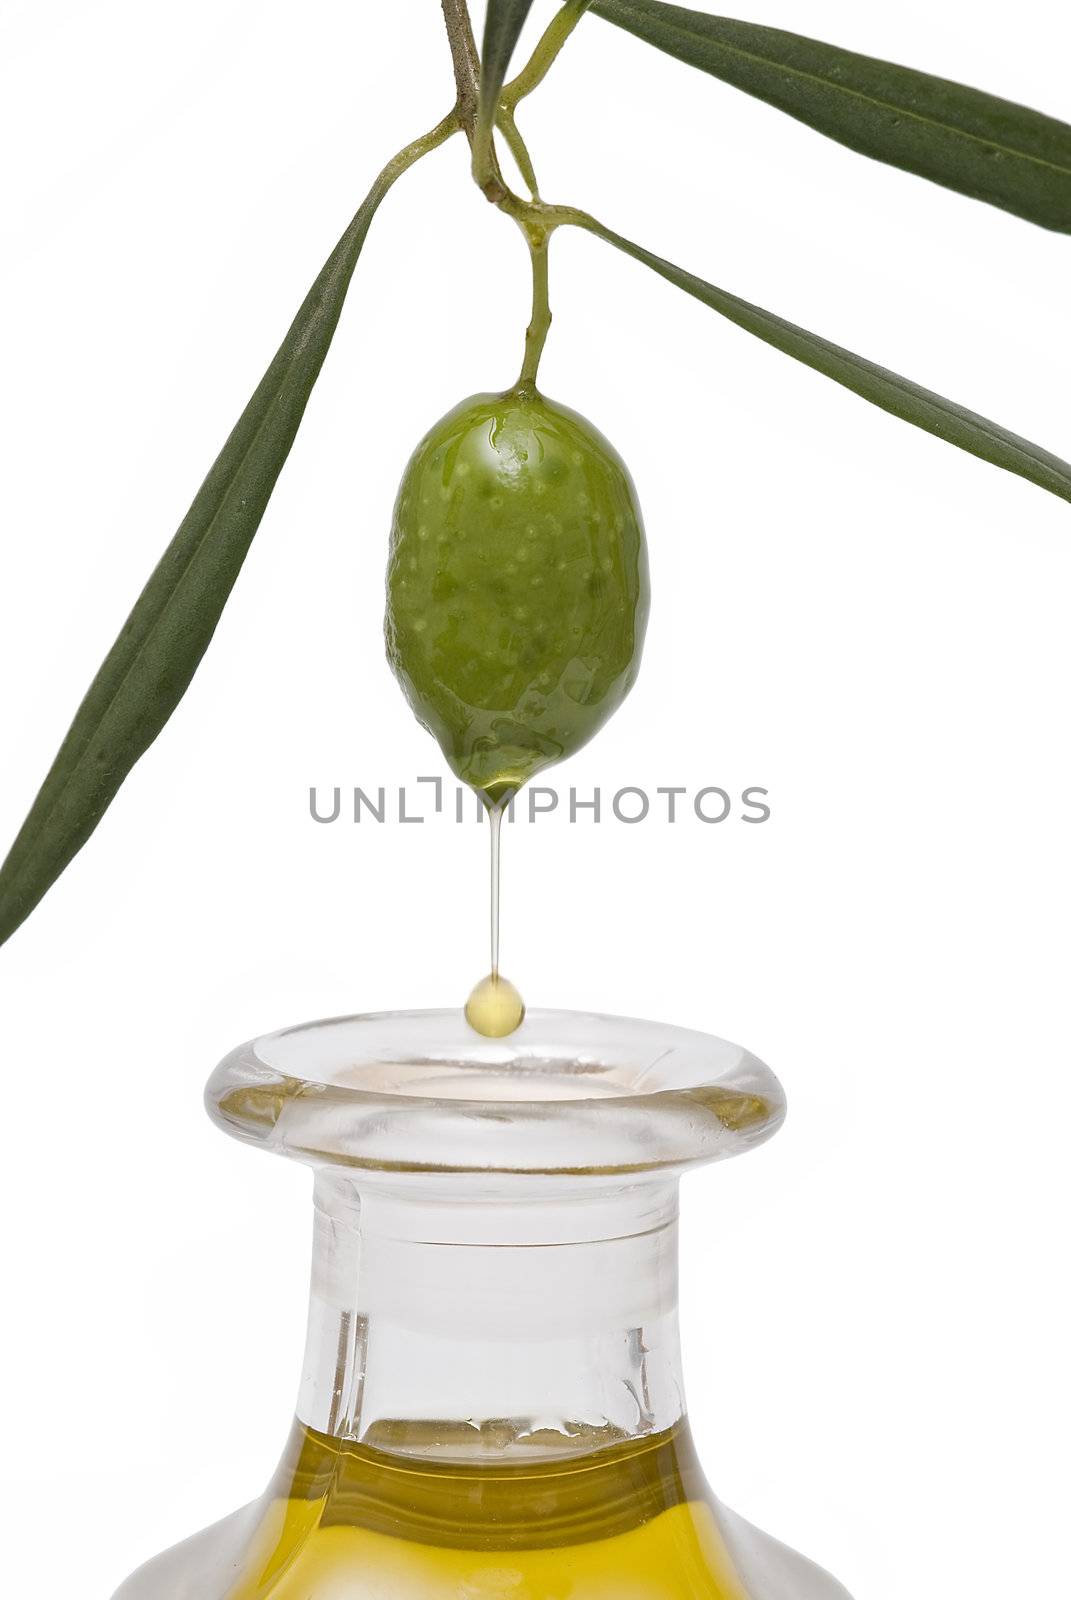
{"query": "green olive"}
[(517, 588)]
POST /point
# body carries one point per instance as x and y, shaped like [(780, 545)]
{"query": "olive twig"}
[(466, 60), (530, 77), (484, 161), (518, 149), (544, 55), (536, 220)]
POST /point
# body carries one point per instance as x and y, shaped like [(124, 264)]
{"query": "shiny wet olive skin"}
[(517, 588)]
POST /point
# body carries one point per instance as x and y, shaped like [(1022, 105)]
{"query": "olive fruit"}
[(517, 587)]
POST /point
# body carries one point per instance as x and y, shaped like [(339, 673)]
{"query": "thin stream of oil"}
[(495, 1008), (495, 820)]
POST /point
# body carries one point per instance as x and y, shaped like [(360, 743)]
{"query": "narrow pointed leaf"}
[(975, 143), (505, 19), (151, 663), (904, 399)]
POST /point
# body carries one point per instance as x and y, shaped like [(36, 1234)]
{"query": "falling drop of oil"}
[(494, 1008)]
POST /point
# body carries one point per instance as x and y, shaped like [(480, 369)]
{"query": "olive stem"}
[(536, 219), (483, 153), (466, 60), (544, 55), (539, 64), (536, 334), (518, 149)]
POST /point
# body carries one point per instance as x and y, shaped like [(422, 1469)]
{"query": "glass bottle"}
[(491, 1406)]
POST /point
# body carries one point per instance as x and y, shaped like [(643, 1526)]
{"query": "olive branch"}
[(964, 139)]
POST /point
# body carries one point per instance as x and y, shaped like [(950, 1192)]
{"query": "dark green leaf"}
[(904, 399), (975, 143), (148, 668), (505, 19)]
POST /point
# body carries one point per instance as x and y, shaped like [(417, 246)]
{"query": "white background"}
[(866, 622)]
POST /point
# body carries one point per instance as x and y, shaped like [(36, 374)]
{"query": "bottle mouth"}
[(569, 1093)]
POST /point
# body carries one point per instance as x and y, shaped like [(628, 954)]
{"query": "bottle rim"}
[(569, 1093)]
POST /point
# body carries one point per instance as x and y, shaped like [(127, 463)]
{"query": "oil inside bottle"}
[(348, 1519), (495, 1008)]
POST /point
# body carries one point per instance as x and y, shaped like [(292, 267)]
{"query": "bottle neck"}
[(520, 1319)]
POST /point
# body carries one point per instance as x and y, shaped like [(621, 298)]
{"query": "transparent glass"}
[(491, 1403)]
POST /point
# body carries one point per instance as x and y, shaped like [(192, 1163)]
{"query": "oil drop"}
[(495, 1008)]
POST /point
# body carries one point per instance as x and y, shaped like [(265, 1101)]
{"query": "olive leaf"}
[(975, 143), (151, 663), (904, 399), (502, 29)]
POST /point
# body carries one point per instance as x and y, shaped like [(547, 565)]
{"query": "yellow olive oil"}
[(344, 1521), (494, 1008)]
